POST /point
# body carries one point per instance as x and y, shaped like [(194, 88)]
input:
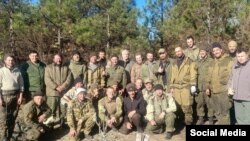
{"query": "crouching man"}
[(110, 109), (80, 116), (31, 117), (160, 112)]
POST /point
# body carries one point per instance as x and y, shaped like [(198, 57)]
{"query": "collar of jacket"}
[(14, 68), (77, 63), (238, 65), (147, 62)]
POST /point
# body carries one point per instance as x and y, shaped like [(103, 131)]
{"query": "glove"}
[(230, 91), (193, 90)]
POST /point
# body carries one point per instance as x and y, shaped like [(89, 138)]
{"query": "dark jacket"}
[(138, 104)]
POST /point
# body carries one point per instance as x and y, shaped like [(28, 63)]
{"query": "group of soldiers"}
[(119, 94)]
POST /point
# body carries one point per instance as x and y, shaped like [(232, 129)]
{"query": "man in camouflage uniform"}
[(33, 75), (110, 109), (57, 78), (163, 66), (183, 78), (80, 116), (191, 51), (149, 68), (126, 63), (136, 68), (94, 73), (77, 66), (160, 111), (218, 75), (202, 99), (31, 117), (116, 73), (102, 61), (232, 47), (148, 91), (11, 94)]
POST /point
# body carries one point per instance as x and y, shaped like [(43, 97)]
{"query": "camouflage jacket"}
[(118, 75)]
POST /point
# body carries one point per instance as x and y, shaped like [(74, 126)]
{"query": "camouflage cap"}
[(80, 90), (204, 48), (130, 87), (148, 80), (38, 93), (161, 50)]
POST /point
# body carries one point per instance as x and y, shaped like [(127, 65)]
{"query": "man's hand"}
[(121, 91), (72, 132), (162, 115), (109, 123), (41, 130), (113, 120), (152, 122), (41, 118), (2, 102), (172, 91), (130, 114), (20, 99), (160, 70), (207, 92), (129, 125), (79, 123)]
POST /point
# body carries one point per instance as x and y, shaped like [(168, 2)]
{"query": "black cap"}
[(216, 45), (77, 80), (158, 87), (130, 87), (38, 93)]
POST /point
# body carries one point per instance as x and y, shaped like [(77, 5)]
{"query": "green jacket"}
[(33, 76), (55, 76), (149, 70), (203, 65), (192, 53), (218, 74), (116, 74), (95, 76), (31, 112), (78, 69), (157, 105), (108, 108), (164, 78)]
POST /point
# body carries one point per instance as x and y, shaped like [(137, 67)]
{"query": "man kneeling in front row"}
[(160, 111)]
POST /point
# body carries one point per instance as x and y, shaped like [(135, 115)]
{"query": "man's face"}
[(159, 92), (79, 85), (125, 55), (150, 57), (76, 57), (217, 52), (232, 46), (102, 55), (57, 60), (131, 94), (93, 59), (9, 62), (33, 57), (190, 42), (163, 55), (242, 57), (38, 100), (114, 61), (138, 59), (81, 96), (110, 93), (138, 83), (115, 87), (178, 52), (203, 54), (149, 86)]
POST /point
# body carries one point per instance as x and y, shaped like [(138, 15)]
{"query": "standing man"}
[(160, 111), (126, 63), (77, 66), (191, 51), (110, 109), (217, 79), (33, 114), (149, 68), (11, 94), (202, 99), (232, 47), (58, 78), (80, 116), (183, 79), (136, 68), (163, 65), (33, 75), (102, 61), (116, 74), (94, 72), (239, 87)]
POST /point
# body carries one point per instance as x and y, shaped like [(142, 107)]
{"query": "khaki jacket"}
[(55, 76), (95, 76), (185, 76), (192, 53)]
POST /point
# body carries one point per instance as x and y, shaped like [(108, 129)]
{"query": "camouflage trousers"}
[(54, 104), (221, 106), (169, 121), (8, 112), (203, 100), (184, 102)]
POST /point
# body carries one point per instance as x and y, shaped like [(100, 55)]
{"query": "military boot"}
[(168, 136), (200, 121)]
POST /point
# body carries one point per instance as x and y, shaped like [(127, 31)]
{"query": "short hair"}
[(9, 55), (102, 50), (137, 54), (124, 50), (33, 51), (150, 52), (240, 50), (58, 54), (190, 37), (114, 55)]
